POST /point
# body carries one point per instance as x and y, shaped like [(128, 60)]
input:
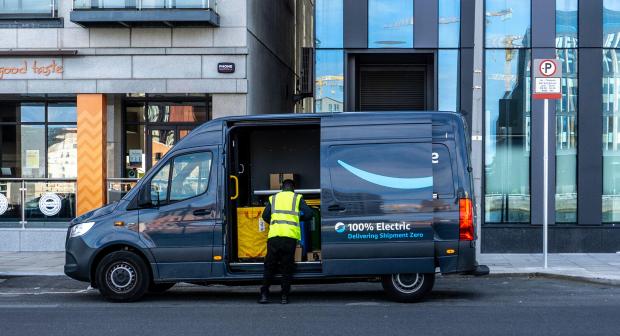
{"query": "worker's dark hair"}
[(288, 185)]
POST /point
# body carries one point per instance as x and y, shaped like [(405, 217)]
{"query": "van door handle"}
[(203, 212), (336, 207)]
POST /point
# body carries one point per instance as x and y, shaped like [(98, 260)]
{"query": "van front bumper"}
[(77, 259)]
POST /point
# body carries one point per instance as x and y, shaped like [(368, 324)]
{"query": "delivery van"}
[(391, 191)]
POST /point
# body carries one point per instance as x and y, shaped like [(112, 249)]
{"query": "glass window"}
[(10, 162), (390, 23), (448, 77), (32, 112), (62, 151), (566, 23), (25, 7), (61, 112), (176, 112), (159, 185), (329, 82), (162, 141), (329, 23), (443, 181), (190, 175), (507, 136), (449, 23), (33, 150), (566, 141), (507, 23), (611, 23), (611, 136), (9, 111), (135, 164), (376, 172)]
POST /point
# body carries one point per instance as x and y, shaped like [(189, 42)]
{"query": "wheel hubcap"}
[(408, 283), (121, 277)]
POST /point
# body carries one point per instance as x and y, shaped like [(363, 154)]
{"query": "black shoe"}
[(284, 299), (264, 298)]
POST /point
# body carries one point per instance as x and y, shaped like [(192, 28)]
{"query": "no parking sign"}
[(547, 79)]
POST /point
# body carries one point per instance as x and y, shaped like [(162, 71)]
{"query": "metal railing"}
[(144, 4), (28, 9), (37, 202), (118, 187)]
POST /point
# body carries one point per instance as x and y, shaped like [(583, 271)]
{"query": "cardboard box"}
[(298, 254), (314, 256), (275, 180)]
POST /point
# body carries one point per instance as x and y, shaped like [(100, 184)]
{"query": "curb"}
[(578, 278), (22, 274)]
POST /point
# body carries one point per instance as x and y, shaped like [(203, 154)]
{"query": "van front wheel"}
[(122, 276), (412, 287)]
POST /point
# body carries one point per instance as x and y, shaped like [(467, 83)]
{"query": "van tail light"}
[(466, 219)]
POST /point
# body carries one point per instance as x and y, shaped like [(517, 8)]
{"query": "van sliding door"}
[(376, 194)]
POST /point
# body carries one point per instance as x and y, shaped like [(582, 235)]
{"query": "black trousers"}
[(280, 252)]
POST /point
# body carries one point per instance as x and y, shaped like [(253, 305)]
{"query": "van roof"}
[(378, 114)]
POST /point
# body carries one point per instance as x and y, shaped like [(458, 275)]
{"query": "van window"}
[(373, 172), (190, 175), (443, 180), (159, 185)]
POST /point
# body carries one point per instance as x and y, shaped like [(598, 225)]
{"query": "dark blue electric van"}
[(392, 191)]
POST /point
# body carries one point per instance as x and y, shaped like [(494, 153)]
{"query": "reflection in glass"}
[(32, 112), (61, 112), (26, 6), (507, 136), (507, 23), (566, 23), (135, 165), (611, 136), (329, 21), (159, 185), (390, 24), (134, 113), (611, 23), (62, 151), (12, 192), (448, 79), (33, 150), (65, 191), (449, 23), (161, 142), (190, 175), (329, 82), (566, 140), (176, 112)]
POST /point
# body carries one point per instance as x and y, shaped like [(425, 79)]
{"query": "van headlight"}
[(80, 229)]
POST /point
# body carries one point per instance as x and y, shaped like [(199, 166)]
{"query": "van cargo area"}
[(261, 157)]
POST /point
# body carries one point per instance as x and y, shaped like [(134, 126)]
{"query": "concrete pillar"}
[(91, 152)]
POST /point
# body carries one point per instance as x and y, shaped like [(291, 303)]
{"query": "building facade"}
[(94, 92), (474, 57)]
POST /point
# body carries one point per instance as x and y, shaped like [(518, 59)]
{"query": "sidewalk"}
[(592, 267)]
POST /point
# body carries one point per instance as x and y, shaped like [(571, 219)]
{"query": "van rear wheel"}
[(412, 287), (122, 276)]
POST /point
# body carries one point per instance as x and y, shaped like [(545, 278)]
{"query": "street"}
[(458, 306)]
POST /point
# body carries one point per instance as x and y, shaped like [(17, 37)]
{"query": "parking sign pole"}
[(546, 180)]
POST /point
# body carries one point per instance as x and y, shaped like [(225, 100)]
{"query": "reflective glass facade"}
[(611, 136), (566, 24), (329, 16), (449, 23), (390, 23), (507, 23)]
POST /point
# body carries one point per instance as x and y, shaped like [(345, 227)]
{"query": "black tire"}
[(408, 287), (122, 276), (160, 287)]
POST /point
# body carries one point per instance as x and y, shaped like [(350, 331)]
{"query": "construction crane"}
[(328, 80)]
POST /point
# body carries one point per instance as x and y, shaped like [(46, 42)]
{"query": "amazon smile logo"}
[(389, 181)]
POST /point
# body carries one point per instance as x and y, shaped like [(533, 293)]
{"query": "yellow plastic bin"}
[(252, 233)]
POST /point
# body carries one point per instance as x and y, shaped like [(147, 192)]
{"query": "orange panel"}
[(91, 152)]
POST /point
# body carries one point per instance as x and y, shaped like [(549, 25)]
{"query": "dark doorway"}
[(392, 82)]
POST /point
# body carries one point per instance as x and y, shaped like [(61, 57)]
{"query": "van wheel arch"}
[(113, 248)]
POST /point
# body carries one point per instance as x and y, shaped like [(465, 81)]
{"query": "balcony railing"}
[(144, 4), (28, 8)]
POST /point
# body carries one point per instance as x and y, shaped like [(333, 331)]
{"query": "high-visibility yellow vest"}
[(285, 215)]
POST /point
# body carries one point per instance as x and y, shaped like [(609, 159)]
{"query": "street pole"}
[(546, 181)]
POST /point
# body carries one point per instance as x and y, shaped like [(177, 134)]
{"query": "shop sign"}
[(50, 204), (135, 157), (226, 67), (4, 204), (12, 68)]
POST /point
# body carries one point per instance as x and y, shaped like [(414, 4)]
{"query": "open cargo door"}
[(376, 194)]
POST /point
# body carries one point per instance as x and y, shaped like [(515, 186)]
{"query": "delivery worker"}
[(283, 213)]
